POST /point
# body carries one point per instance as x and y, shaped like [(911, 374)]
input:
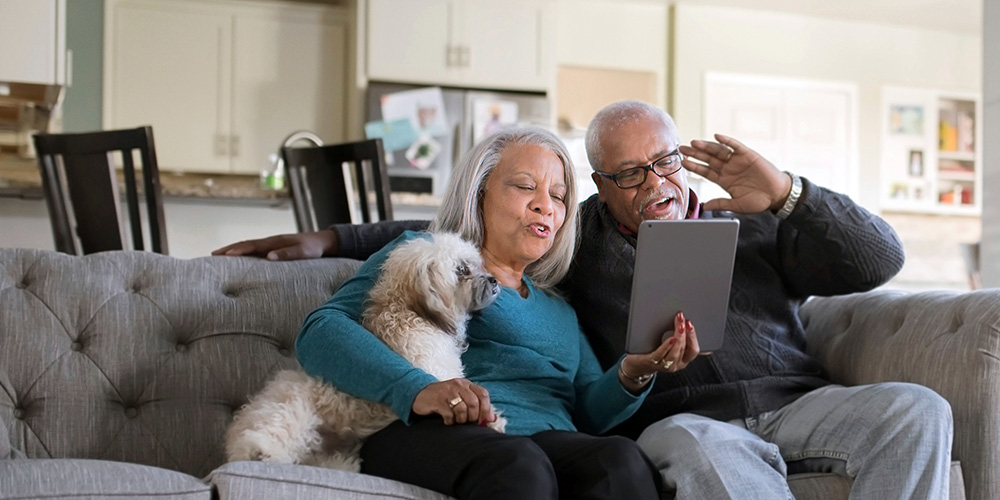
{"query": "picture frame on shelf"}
[(916, 164), (906, 120)]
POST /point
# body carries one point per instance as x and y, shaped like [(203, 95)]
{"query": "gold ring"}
[(668, 364), (730, 157), (657, 361), (455, 402)]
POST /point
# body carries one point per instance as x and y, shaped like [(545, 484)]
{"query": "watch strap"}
[(793, 197)]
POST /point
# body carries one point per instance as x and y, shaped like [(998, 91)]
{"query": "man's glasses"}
[(664, 166)]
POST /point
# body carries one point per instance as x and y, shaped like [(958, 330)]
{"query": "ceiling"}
[(957, 16)]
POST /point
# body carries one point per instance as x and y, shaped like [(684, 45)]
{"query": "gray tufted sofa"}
[(119, 372)]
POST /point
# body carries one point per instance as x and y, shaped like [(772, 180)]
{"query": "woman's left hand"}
[(673, 355)]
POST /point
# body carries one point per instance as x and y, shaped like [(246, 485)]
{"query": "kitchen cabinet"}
[(33, 41), (463, 43), (931, 153), (615, 35), (609, 51), (222, 83)]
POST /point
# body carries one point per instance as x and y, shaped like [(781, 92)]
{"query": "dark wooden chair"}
[(82, 190), (325, 191)]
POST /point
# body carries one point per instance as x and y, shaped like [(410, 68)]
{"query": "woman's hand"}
[(673, 355), (458, 401), (754, 183), (286, 246)]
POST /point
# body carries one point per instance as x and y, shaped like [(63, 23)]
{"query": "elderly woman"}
[(514, 196)]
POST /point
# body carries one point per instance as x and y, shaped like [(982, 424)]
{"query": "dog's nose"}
[(492, 280)]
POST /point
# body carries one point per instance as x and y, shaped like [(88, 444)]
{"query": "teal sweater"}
[(529, 353)]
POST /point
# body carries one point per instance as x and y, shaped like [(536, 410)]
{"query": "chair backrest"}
[(82, 190), (325, 192)]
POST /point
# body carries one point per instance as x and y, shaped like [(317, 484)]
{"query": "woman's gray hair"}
[(615, 115), (461, 210)]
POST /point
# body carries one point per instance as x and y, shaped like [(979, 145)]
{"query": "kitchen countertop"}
[(20, 178)]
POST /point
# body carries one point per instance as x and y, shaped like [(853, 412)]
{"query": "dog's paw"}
[(499, 425), (350, 462), (255, 446)]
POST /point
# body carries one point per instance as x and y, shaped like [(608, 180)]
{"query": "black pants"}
[(470, 462)]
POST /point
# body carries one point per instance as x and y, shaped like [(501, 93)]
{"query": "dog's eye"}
[(463, 270)]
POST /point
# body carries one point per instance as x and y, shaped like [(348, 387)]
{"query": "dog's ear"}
[(431, 296)]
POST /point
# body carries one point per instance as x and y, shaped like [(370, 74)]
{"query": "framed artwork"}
[(916, 164), (907, 120)]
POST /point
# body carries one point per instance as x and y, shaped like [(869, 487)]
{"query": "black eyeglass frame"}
[(646, 169)]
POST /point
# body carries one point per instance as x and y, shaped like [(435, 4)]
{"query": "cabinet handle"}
[(221, 145), (234, 145)]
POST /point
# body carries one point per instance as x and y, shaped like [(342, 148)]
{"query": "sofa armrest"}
[(948, 341)]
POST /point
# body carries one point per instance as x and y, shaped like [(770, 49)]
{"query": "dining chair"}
[(337, 183), (83, 195)]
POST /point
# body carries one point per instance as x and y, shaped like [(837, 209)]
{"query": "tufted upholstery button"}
[(284, 352), (131, 412), (231, 292), (76, 346), (22, 284), (18, 413), (181, 347)]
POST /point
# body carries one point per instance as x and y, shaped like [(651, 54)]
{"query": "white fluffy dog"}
[(419, 307)]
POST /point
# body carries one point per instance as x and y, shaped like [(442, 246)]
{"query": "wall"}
[(733, 40), (85, 38), (870, 56), (990, 251)]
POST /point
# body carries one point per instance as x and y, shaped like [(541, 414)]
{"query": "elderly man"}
[(732, 424)]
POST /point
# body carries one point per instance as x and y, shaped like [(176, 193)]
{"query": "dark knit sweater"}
[(828, 246)]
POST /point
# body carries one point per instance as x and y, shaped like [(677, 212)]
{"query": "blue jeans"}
[(893, 440)]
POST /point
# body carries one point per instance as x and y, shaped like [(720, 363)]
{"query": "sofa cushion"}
[(267, 481), (823, 486), (77, 478), (140, 357), (819, 486)]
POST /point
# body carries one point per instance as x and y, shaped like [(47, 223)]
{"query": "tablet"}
[(686, 266)]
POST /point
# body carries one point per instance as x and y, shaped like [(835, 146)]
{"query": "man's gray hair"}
[(615, 115), (461, 210)]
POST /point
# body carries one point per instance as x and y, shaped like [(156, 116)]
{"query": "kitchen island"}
[(203, 211)]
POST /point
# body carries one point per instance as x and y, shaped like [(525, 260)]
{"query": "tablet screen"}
[(681, 266)]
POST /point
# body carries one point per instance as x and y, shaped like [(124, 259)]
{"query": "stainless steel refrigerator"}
[(463, 109)]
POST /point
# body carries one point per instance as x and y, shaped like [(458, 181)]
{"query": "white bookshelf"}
[(931, 152)]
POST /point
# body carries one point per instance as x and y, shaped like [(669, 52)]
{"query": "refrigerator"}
[(460, 118)]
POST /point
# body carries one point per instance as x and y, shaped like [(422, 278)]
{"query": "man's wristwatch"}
[(793, 197)]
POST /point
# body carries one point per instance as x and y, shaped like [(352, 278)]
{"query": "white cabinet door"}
[(506, 44), (169, 68), (290, 73), (222, 83), (804, 126), (32, 41), (621, 35), (412, 41), (473, 43)]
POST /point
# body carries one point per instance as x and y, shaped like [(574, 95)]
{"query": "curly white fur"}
[(419, 307)]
